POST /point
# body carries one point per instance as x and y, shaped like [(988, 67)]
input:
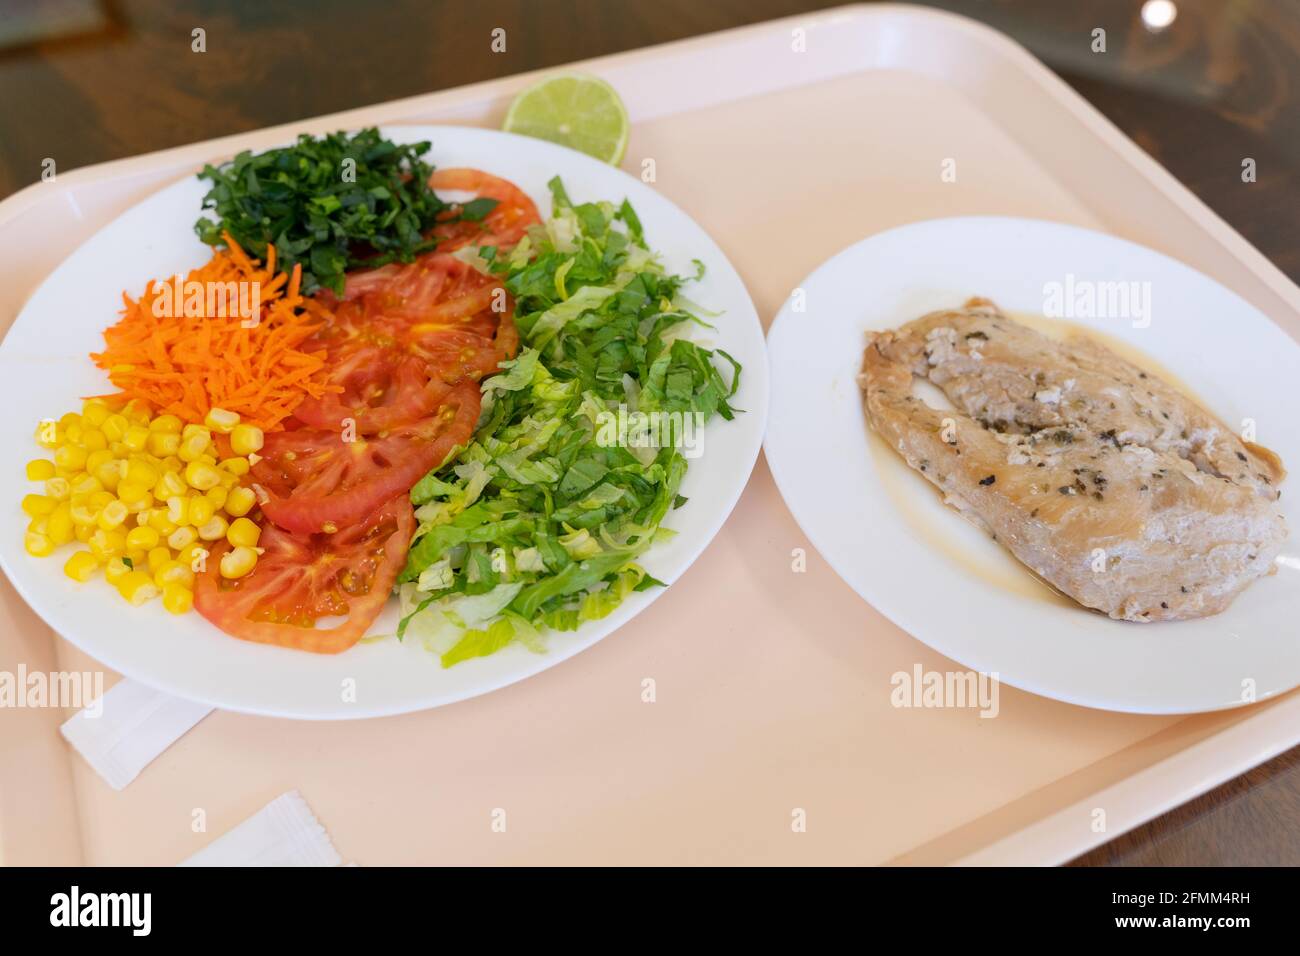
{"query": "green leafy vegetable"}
[(331, 203), (581, 447)]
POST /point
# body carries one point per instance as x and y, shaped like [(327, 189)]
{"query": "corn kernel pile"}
[(146, 496)]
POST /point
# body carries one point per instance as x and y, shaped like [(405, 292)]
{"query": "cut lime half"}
[(581, 112)]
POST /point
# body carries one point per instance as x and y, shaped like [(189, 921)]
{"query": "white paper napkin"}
[(122, 732), (283, 833)]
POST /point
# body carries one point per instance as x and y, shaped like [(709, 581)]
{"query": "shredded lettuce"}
[(581, 446)]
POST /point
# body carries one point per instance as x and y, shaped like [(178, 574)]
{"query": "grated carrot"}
[(185, 364)]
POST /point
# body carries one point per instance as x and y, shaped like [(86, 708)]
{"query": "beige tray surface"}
[(772, 686)]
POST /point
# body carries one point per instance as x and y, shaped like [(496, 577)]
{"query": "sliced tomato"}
[(398, 343), (313, 480), (503, 226), (301, 579)]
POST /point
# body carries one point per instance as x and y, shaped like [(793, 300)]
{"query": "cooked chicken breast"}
[(1109, 484)]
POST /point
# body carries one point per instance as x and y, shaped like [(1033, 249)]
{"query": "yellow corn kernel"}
[(182, 537), (94, 412), (72, 432), (138, 557), (40, 469), (81, 566), (48, 433), (236, 466), (38, 544), (118, 449), (178, 510), (82, 532), (107, 544), (217, 496), (137, 587), (92, 439), (193, 447), (201, 510), (214, 529), (195, 557), (157, 557), (99, 499), (60, 527), (169, 486), (116, 570), (246, 439), (220, 420), (139, 470), (137, 411), (139, 506), (177, 599), (70, 458), (114, 427), (243, 532), (97, 458), (143, 537), (129, 491), (112, 516), (60, 489), (173, 463), (109, 474), (160, 522), (163, 444), (174, 572), (136, 437), (36, 506), (237, 562), (240, 501), (168, 424), (86, 485), (39, 525), (202, 476), (83, 512)]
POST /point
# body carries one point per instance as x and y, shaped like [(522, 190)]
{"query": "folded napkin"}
[(122, 732), (283, 833)]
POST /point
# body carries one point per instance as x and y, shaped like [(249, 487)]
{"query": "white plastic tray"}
[(772, 686)]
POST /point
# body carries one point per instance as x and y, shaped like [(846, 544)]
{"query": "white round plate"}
[(44, 369), (886, 532)]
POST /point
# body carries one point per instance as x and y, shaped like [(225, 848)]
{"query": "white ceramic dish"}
[(44, 370), (888, 535)]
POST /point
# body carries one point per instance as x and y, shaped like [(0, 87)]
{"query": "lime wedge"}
[(581, 112)]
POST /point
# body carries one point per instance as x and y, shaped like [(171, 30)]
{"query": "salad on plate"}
[(388, 380)]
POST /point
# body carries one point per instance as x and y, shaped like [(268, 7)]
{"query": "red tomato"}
[(503, 226), (406, 346), (401, 339), (302, 578), (314, 480)]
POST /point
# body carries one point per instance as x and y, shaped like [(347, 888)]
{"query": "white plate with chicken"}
[(1052, 455)]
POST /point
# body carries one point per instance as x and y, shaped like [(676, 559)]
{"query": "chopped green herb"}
[(330, 203)]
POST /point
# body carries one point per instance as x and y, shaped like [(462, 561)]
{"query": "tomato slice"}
[(313, 480), (503, 226), (406, 346), (399, 341), (300, 579)]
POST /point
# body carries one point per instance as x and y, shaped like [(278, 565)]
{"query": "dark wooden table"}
[(83, 81)]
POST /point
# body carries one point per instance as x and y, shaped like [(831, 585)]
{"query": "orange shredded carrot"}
[(167, 351)]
